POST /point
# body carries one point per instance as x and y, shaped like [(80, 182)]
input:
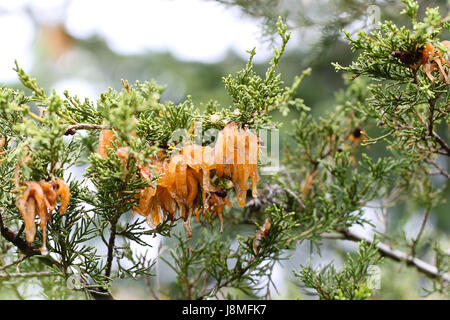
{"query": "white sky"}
[(16, 34), (191, 29)]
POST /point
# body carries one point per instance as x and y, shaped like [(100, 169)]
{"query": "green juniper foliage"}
[(351, 283), (328, 181), (212, 259)]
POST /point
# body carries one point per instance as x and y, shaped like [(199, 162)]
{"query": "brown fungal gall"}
[(430, 58)]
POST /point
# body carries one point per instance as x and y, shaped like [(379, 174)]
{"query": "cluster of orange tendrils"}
[(183, 176), (236, 158), (39, 199), (432, 59)]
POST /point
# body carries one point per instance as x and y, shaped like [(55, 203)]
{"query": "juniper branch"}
[(30, 250), (20, 243), (13, 263), (422, 227), (440, 170), (83, 126), (396, 255), (27, 275), (443, 143)]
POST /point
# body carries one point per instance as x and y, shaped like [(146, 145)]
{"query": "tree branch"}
[(443, 144), (13, 263), (111, 245), (421, 266), (114, 221), (294, 195), (21, 244), (440, 169), (432, 104), (30, 250), (422, 227), (27, 275), (71, 130), (438, 138)]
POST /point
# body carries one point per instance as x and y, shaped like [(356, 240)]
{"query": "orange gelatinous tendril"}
[(261, 234), (40, 199), (236, 156), (181, 177), (174, 195), (432, 59), (105, 141)]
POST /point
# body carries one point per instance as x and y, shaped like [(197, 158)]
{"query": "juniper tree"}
[(327, 181)]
